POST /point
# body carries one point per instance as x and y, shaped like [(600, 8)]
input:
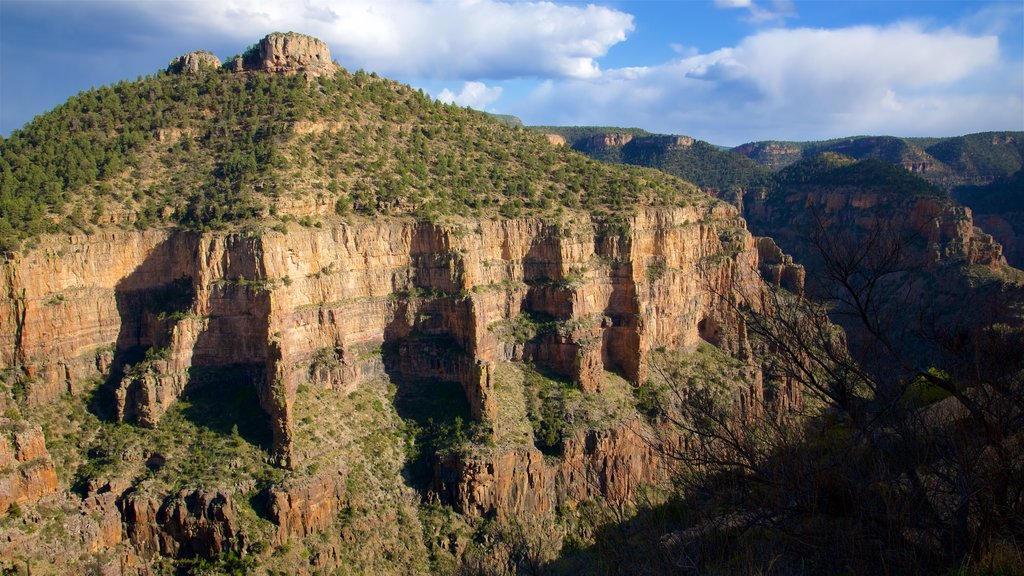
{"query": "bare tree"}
[(904, 455)]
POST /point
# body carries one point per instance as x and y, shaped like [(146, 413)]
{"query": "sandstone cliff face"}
[(191, 524), (556, 139), (160, 310), (26, 471), (312, 304), (616, 140), (937, 230), (609, 464), (287, 53), (664, 141), (611, 140), (774, 155), (307, 506)]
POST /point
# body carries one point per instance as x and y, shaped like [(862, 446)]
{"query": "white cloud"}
[(733, 3), (756, 13), (444, 39), (805, 83), (473, 94)]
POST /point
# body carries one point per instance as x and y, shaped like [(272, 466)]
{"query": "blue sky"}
[(726, 71)]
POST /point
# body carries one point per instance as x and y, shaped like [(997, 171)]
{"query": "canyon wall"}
[(160, 313), (314, 304)]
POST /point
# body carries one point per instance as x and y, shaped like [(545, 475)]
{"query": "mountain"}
[(272, 315), (910, 330), (849, 188), (973, 159), (708, 166), (970, 167)]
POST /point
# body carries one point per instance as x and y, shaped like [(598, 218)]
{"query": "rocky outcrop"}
[(306, 506), (777, 267), (606, 464), (667, 142), (194, 63), (556, 139), (287, 53), (773, 155), (619, 140), (1009, 236), (26, 470), (610, 140), (942, 228), (190, 524)]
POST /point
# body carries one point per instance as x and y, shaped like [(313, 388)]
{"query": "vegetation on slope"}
[(218, 148), (973, 159), (577, 135), (830, 170), (704, 164), (981, 157)]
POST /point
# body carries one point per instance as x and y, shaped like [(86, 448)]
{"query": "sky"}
[(725, 71)]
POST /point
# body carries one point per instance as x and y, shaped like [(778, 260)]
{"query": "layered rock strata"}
[(164, 308), (287, 53), (190, 524), (26, 470), (608, 465)]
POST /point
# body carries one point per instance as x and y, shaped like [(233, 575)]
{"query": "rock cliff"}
[(287, 53), (307, 317), (194, 62), (307, 305), (26, 470), (190, 524), (163, 310)]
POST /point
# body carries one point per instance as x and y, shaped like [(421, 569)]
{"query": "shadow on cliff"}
[(642, 544), (435, 409), (221, 391), (151, 296)]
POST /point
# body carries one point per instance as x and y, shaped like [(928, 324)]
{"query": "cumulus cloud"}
[(805, 83), (473, 94), (446, 39)]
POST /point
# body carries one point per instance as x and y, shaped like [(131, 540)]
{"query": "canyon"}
[(319, 322), (158, 312)]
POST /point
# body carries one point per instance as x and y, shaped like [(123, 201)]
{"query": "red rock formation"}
[(777, 267), (313, 305), (287, 53), (306, 506), (26, 471), (609, 464), (191, 524)]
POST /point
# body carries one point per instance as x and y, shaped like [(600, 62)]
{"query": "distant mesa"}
[(276, 53), (618, 140)]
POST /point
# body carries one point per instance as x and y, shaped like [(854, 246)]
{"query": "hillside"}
[(269, 316), (207, 148), (973, 159), (925, 312), (712, 169), (275, 316), (968, 167)]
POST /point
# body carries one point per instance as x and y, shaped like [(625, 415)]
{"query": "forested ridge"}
[(216, 148)]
